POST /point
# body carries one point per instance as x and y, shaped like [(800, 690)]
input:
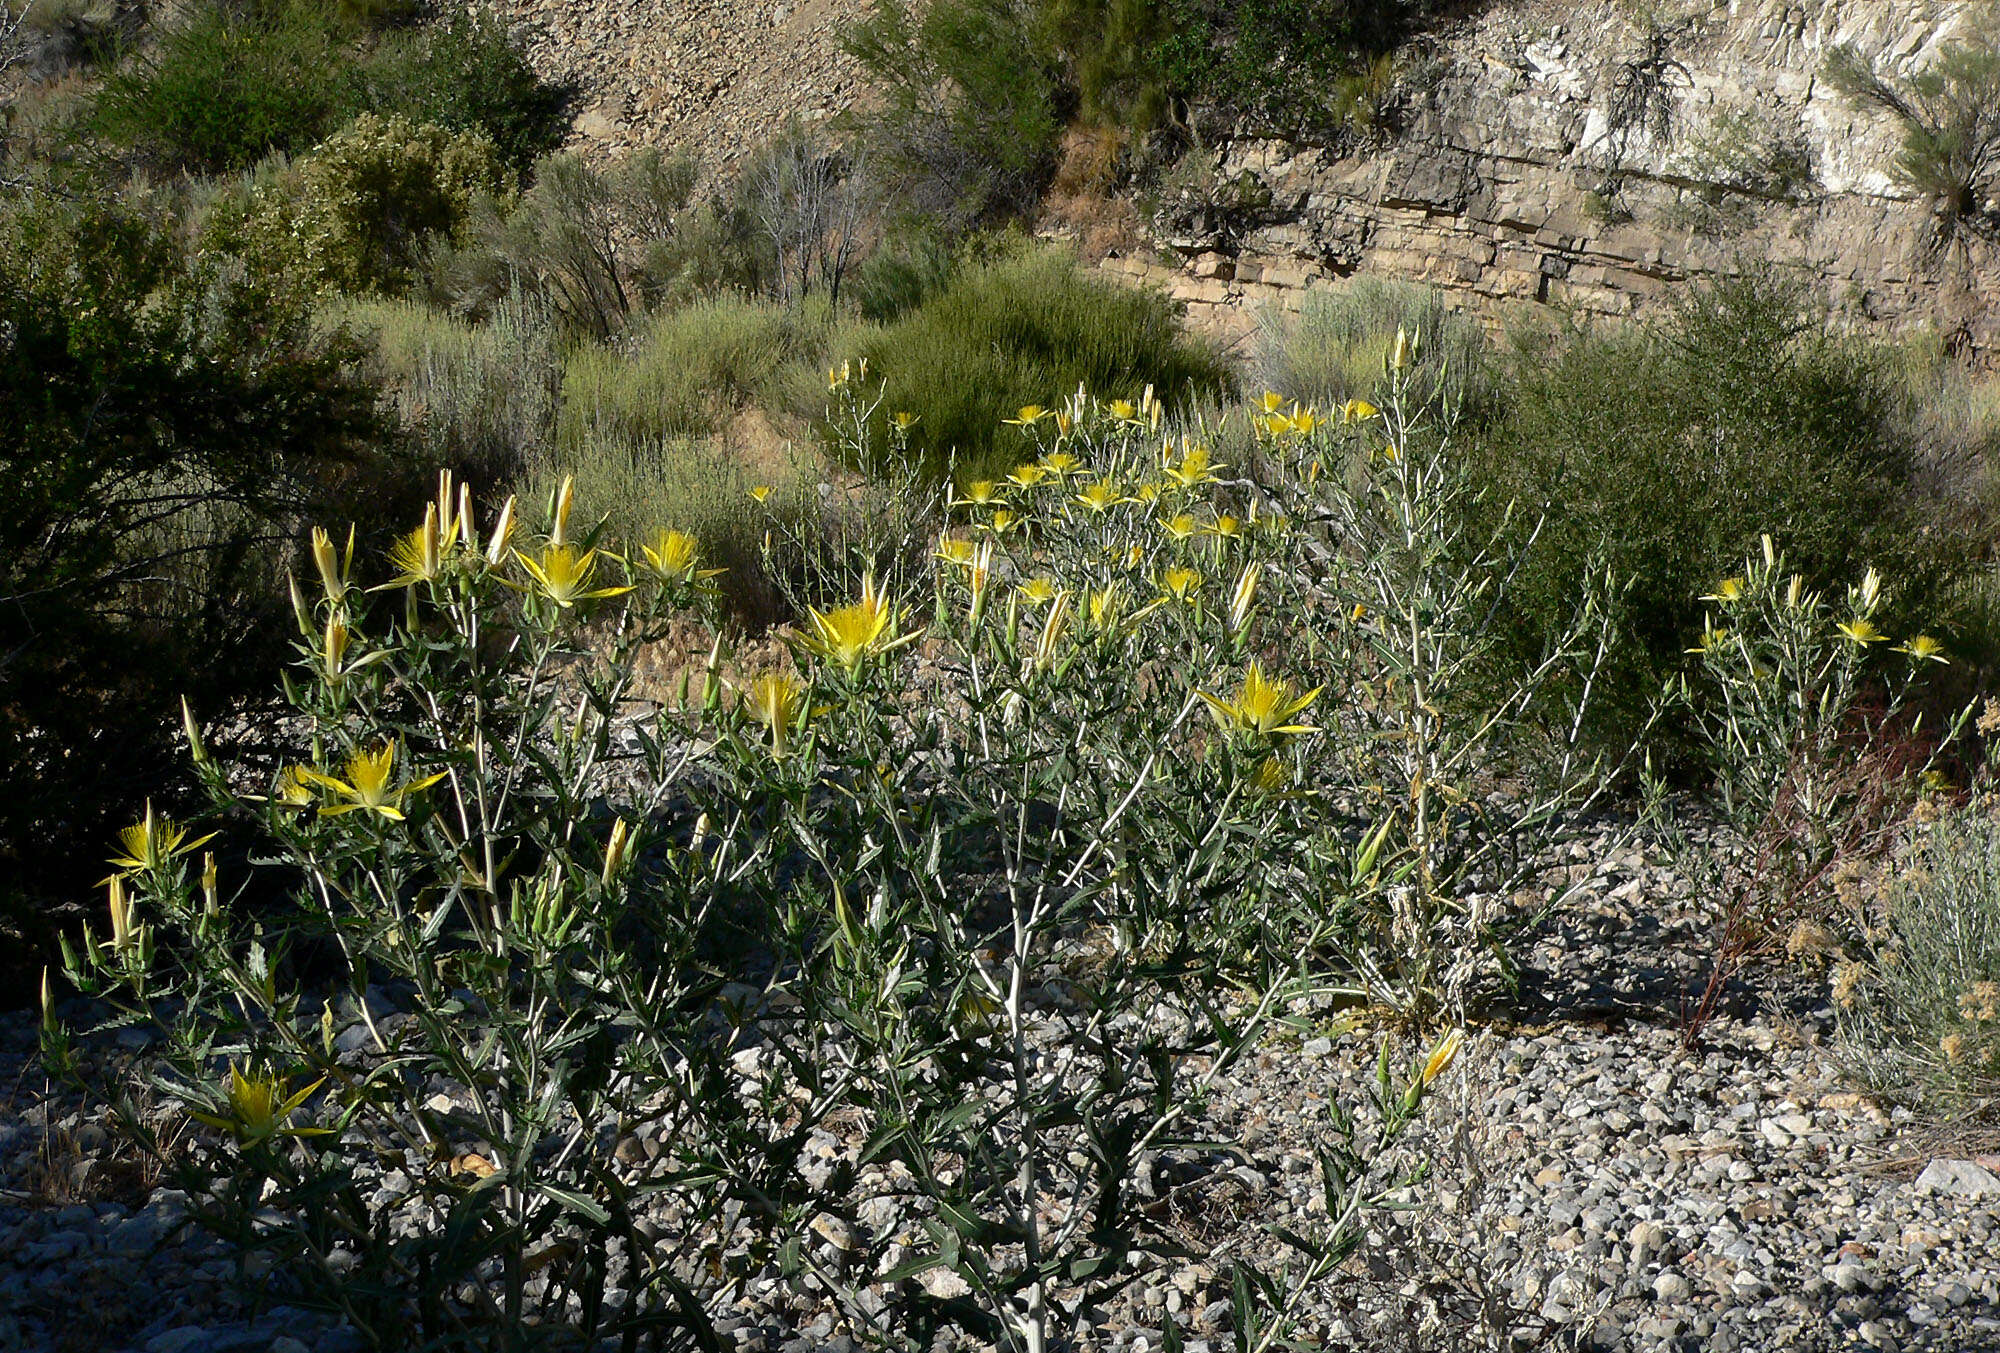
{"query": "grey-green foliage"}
[(1331, 349), (1921, 1015), (593, 244), (1949, 118)]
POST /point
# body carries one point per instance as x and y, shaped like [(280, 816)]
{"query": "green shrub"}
[(1949, 119), (1666, 452), (164, 421), (467, 73), (966, 131), (1333, 348), (1286, 66), (226, 86), (355, 214), (680, 374), (1027, 327), (1002, 914), (906, 271)]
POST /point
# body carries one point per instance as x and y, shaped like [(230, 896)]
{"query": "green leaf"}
[(580, 1203)]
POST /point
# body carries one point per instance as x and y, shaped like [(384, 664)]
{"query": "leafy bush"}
[(1008, 332), (967, 129), (968, 911), (1664, 452), (165, 422), (1286, 66), (1333, 349), (225, 86), (355, 214), (466, 72)]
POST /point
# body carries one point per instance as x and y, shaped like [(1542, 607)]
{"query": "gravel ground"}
[(1596, 1186)]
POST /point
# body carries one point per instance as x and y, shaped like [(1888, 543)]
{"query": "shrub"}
[(681, 373), (1663, 452), (166, 421), (969, 912), (1920, 1008), (466, 72), (967, 129), (225, 86), (592, 245), (1288, 67), (1949, 119), (1803, 714), (1333, 349), (907, 270), (355, 214), (477, 398), (1018, 330)]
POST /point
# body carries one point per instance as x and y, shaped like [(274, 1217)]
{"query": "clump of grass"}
[(681, 374), (1332, 350)]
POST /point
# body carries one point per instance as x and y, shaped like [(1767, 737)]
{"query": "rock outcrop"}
[(1513, 179)]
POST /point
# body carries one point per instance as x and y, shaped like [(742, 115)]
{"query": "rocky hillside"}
[(1586, 155), (717, 76)]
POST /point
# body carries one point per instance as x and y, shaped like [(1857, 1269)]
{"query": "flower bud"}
[(333, 579), (616, 850), (196, 749), (565, 501)]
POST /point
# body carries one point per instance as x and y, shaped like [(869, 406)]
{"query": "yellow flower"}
[(1728, 590), (761, 492), (950, 551), (124, 933), (1180, 527), (1061, 464), (1442, 1055), (1263, 707), (333, 569), (563, 576), (1862, 632), (420, 554), (1358, 411), (676, 557), (981, 493), (294, 788), (333, 654), (1226, 526), (1027, 476), (1194, 468), (1148, 492), (1123, 411), (1271, 401), (904, 421), (1304, 422), (1107, 607), (1002, 521), (854, 633), (1180, 583), (366, 788), (775, 701), (1027, 417), (1244, 597), (1037, 591), (1099, 497), (255, 1110), (1923, 648), (1713, 639), (154, 842)]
